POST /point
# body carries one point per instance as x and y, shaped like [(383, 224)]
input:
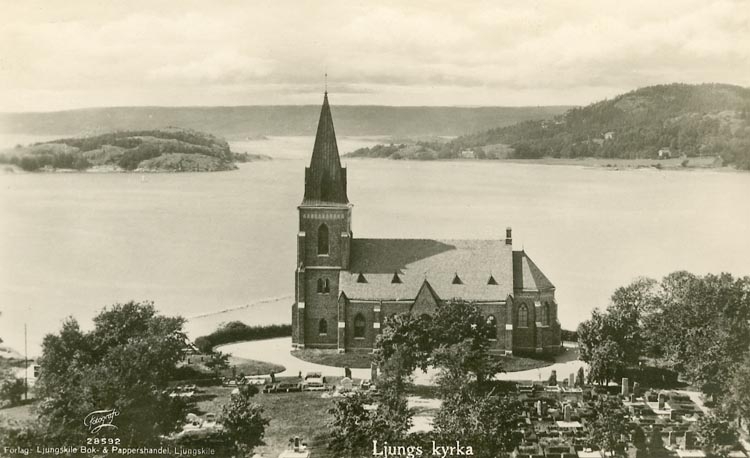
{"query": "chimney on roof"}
[(508, 237)]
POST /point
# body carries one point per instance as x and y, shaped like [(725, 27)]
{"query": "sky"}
[(74, 54)]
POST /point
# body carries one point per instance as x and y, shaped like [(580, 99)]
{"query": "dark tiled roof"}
[(438, 261), (527, 276), (325, 179)]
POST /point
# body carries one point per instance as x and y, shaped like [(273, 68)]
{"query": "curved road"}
[(277, 351)]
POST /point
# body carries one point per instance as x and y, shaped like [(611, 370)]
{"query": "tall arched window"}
[(359, 326), (323, 327), (546, 314), (492, 327), (323, 239), (523, 316)]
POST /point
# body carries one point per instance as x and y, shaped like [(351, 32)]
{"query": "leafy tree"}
[(217, 361), (580, 379), (737, 400), (598, 347), (353, 428), (12, 390), (124, 363), (410, 337), (463, 341), (609, 427), (485, 421), (715, 433), (243, 421), (703, 326)]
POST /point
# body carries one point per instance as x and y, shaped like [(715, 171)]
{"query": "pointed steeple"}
[(325, 179)]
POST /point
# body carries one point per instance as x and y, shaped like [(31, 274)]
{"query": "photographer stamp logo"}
[(100, 419)]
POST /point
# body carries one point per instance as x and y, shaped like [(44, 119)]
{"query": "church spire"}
[(325, 179)]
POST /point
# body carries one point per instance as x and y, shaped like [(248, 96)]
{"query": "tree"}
[(351, 432), (609, 427), (702, 326), (598, 347), (243, 421), (737, 400), (217, 361), (353, 428), (580, 379), (716, 433), (484, 421), (123, 364), (410, 337), (12, 390), (605, 363)]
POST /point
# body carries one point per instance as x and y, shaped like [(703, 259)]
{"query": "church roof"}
[(397, 268), (325, 179), (527, 276)]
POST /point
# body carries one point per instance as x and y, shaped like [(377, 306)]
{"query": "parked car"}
[(287, 387), (313, 383), (256, 379)]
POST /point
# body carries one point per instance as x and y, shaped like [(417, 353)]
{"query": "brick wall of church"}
[(535, 334), (497, 310), (321, 306)]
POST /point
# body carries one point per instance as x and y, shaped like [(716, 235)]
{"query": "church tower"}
[(323, 241)]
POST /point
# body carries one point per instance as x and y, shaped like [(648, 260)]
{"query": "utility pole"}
[(25, 365)]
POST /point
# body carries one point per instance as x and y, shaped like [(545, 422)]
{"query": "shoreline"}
[(614, 164)]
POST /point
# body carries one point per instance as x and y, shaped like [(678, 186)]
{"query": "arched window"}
[(323, 239), (326, 286), (523, 316), (546, 314), (359, 326), (491, 327), (323, 327)]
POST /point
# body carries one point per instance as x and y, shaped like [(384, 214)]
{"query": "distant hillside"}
[(167, 150), (678, 119), (251, 121)]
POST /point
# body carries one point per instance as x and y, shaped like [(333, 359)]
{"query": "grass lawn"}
[(522, 363), (362, 360), (20, 413), (302, 414), (251, 367), (332, 358)]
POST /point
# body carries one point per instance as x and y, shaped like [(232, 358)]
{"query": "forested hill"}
[(249, 121), (165, 150), (690, 120)]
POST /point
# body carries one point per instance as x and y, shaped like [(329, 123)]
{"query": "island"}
[(158, 150)]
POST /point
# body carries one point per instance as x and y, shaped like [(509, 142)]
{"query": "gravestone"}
[(346, 384), (373, 372), (572, 380), (625, 387), (672, 438), (636, 388), (674, 415), (689, 440), (662, 400), (566, 412), (540, 408)]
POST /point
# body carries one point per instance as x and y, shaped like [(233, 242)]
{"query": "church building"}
[(346, 286)]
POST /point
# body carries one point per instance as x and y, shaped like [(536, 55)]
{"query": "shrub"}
[(237, 331)]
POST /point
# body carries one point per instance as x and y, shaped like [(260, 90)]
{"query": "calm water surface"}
[(199, 243)]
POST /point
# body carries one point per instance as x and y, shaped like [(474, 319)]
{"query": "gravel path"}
[(277, 351)]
